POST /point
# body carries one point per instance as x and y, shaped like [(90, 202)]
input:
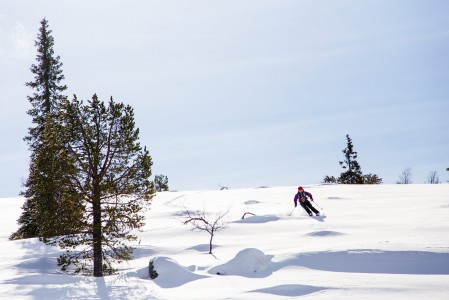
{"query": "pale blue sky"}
[(246, 93)]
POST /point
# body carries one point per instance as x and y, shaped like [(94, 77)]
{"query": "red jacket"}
[(302, 197)]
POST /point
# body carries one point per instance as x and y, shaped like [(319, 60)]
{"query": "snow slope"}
[(371, 241)]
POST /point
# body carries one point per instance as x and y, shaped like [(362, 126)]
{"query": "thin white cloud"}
[(22, 41), (17, 43)]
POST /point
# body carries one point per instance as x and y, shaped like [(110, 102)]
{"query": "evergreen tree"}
[(57, 210), (371, 179), (47, 85), (329, 179), (161, 183), (42, 193), (111, 174), (353, 174)]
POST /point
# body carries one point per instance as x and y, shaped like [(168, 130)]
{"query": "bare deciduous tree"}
[(406, 176), (203, 222), (433, 178)]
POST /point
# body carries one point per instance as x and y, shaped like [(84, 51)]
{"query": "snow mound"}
[(141, 273), (170, 274), (246, 262), (36, 265), (251, 202), (258, 219), (324, 233)]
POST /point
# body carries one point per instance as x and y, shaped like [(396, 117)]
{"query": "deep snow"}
[(371, 241)]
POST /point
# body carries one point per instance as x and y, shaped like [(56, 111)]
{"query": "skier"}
[(301, 196)]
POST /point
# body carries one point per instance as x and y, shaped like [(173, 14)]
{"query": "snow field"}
[(370, 242)]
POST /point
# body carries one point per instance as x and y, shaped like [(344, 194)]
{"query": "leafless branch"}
[(247, 213), (203, 222)]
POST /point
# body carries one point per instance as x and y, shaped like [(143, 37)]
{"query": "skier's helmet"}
[(300, 189)]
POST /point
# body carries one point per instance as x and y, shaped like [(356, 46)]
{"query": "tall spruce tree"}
[(42, 194), (111, 175), (47, 84), (353, 174)]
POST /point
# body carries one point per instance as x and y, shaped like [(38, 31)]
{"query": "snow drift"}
[(171, 274), (245, 263)]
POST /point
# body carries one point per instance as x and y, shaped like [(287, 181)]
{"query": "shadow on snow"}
[(290, 290), (372, 261)]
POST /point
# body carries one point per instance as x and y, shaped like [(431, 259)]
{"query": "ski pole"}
[(292, 211), (317, 205)]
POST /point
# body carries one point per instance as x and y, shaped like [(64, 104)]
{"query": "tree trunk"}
[(210, 242), (96, 235)]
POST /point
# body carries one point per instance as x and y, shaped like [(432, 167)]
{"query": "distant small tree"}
[(161, 183), (353, 174), (202, 222), (371, 179), (432, 178), (223, 187), (405, 177), (330, 179)]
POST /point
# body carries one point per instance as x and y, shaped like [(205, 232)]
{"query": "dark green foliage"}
[(161, 183), (43, 195), (55, 208), (111, 174), (58, 209), (371, 179), (350, 177), (330, 179), (353, 173), (47, 84), (28, 227), (89, 177), (152, 271)]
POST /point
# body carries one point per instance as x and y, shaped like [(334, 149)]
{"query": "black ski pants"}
[(308, 207)]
